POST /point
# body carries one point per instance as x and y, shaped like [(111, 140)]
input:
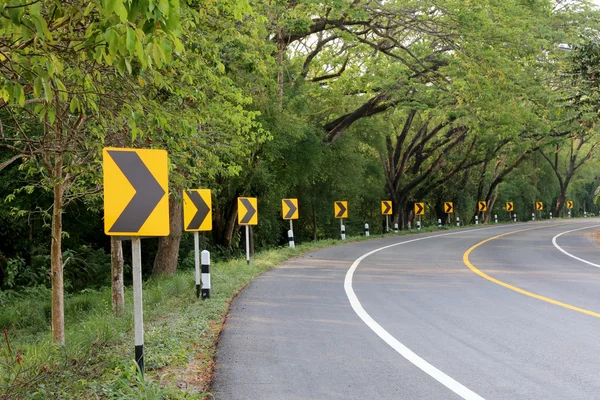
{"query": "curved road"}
[(495, 312)]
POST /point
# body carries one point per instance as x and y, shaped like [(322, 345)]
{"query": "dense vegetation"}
[(357, 100)]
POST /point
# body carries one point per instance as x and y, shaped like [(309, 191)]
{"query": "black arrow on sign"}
[(292, 207), (448, 208), (419, 208), (202, 208), (148, 192), (388, 207), (510, 207), (250, 211), (342, 209), (482, 205), (569, 204)]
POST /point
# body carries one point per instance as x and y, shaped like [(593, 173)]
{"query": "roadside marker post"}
[(533, 216), (395, 228), (419, 224), (449, 210), (367, 230), (247, 215), (550, 214), (289, 211), (476, 220), (569, 213), (205, 274), (197, 217), (458, 222), (136, 204), (585, 214), (539, 206), (386, 209), (247, 245), (197, 262), (496, 218), (340, 210), (515, 217), (439, 222)]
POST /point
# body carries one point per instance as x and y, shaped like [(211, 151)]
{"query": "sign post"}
[(247, 215), (539, 206), (289, 211), (386, 209), (136, 204), (510, 208), (197, 217), (419, 210), (570, 207), (482, 208), (449, 209), (340, 210)]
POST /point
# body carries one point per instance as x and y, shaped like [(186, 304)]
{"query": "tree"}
[(58, 61)]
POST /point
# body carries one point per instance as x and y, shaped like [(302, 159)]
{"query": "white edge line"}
[(404, 351), (569, 254)]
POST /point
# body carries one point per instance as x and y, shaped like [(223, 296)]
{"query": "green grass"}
[(97, 360)]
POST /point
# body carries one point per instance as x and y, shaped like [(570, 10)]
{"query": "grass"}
[(97, 361)]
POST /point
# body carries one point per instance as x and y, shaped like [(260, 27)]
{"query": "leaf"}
[(131, 39), (163, 7), (37, 87)]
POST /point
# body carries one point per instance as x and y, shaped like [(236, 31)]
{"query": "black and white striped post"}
[(367, 230), (515, 217), (533, 216), (458, 222), (138, 311), (396, 228), (247, 245), (419, 223), (569, 213), (342, 229), (550, 214), (439, 222), (291, 235), (476, 220), (205, 274), (496, 218), (197, 262)]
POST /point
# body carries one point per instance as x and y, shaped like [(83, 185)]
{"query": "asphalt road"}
[(514, 319)]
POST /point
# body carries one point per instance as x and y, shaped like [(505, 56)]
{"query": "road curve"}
[(443, 316)]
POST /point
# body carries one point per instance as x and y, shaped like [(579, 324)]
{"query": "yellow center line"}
[(516, 289)]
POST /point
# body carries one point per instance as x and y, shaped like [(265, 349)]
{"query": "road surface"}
[(496, 312)]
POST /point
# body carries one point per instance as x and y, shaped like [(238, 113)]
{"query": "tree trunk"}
[(167, 255), (56, 263), (230, 226), (116, 268), (562, 198)]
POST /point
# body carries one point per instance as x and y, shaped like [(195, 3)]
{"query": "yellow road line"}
[(516, 289)]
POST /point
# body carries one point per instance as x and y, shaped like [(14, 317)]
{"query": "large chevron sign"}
[(136, 201)]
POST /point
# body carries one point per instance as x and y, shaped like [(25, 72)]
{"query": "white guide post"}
[(205, 274), (247, 245), (138, 311)]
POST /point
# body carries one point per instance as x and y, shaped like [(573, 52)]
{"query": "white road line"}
[(404, 351), (569, 254)]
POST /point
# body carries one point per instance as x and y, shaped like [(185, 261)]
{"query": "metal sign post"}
[(197, 262), (138, 310), (247, 244)]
